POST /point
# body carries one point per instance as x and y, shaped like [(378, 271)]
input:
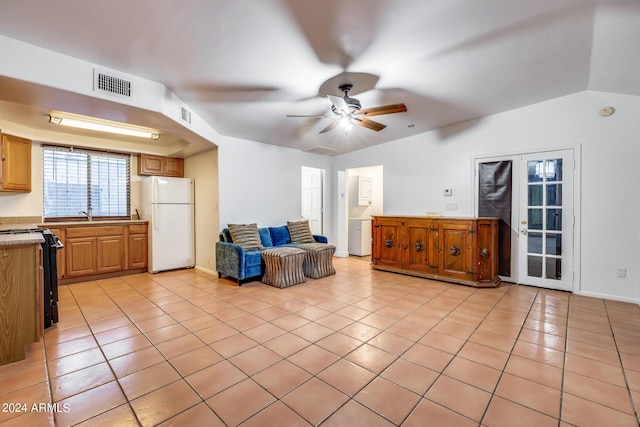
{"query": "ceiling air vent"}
[(111, 85), (185, 115), (321, 149)]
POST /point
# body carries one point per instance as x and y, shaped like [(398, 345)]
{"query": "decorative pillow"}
[(300, 232), (245, 235)]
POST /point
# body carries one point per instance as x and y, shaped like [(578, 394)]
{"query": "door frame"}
[(515, 204)]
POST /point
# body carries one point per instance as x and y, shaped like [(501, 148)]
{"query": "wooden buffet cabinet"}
[(459, 250), (100, 249)]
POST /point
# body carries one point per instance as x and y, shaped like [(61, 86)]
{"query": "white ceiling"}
[(243, 65)]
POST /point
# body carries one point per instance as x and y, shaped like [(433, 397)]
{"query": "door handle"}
[(524, 231)]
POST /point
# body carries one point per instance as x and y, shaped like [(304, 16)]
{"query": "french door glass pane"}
[(535, 195), (554, 170), (554, 219), (554, 270), (535, 219), (554, 195), (534, 266), (534, 243), (553, 244)]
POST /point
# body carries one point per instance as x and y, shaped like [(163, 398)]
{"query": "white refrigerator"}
[(168, 204)]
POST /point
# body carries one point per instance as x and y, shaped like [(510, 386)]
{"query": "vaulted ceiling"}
[(244, 65)]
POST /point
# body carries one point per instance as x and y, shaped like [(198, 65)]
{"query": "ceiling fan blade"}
[(330, 127), (385, 109), (339, 103), (369, 124)]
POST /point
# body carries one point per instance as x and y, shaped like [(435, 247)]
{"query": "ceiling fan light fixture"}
[(99, 125), (345, 122)]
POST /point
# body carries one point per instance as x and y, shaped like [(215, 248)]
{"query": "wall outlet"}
[(622, 273), (452, 206), (447, 192)]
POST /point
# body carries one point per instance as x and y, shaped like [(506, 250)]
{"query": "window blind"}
[(76, 180)]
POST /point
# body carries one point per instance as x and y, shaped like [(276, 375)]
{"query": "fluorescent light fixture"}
[(99, 125)]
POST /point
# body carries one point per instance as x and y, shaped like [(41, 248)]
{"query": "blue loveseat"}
[(245, 265)]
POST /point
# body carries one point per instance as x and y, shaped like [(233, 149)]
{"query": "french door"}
[(546, 223), (542, 218)]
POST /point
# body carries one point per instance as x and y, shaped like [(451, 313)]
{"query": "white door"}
[(312, 198), (546, 220)]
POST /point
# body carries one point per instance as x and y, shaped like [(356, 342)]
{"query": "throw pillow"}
[(300, 232), (245, 235)]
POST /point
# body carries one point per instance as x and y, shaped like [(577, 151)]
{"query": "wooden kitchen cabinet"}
[(459, 250), (15, 164), (21, 305), (94, 250), (81, 258), (161, 166), (138, 246)]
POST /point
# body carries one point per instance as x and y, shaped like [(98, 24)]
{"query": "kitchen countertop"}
[(20, 239), (93, 223)]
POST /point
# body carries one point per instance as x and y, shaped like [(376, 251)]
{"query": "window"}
[(76, 180)]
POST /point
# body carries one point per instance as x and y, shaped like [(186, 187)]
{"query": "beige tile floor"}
[(361, 348)]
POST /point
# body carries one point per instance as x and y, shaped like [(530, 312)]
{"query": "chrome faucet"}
[(88, 214)]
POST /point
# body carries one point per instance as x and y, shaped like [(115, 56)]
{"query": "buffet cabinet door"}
[(419, 245), (456, 250), (387, 235)]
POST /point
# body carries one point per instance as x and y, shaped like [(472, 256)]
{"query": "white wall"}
[(203, 168), (262, 183), (417, 169)]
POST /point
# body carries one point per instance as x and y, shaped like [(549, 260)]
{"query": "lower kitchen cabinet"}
[(459, 250), (100, 249)]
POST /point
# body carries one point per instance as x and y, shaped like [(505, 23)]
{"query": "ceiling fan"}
[(347, 111)]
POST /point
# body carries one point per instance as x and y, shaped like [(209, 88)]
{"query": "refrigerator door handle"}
[(154, 190), (153, 216)]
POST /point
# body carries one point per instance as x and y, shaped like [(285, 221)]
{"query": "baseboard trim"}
[(609, 297), (206, 270)]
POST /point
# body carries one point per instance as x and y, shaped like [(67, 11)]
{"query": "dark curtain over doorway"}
[(494, 200)]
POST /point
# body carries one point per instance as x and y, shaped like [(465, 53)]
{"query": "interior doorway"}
[(313, 192), (364, 199), (543, 220)]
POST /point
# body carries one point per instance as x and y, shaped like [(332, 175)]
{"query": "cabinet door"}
[(487, 250), (81, 256), (456, 250), (15, 159), (418, 247), (174, 166), (110, 253), (151, 165), (137, 251), (20, 310), (386, 242)]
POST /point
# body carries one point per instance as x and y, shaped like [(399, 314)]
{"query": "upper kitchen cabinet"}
[(15, 164), (161, 166)]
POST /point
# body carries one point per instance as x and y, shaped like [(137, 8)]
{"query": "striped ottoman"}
[(318, 261), (283, 267)]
